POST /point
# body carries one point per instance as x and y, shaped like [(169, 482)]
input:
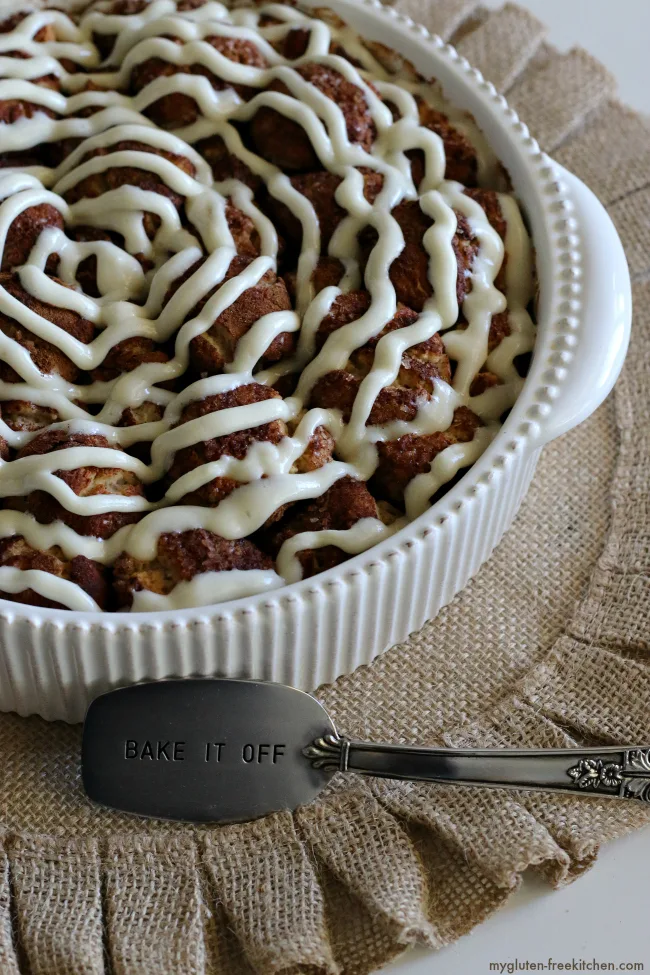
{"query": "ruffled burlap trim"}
[(372, 867)]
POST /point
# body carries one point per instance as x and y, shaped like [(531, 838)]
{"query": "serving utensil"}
[(204, 750)]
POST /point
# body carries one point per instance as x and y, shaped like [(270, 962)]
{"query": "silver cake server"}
[(204, 750)]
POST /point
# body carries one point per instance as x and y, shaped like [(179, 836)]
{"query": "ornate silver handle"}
[(620, 772)]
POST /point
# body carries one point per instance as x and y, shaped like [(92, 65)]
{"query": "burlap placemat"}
[(547, 646)]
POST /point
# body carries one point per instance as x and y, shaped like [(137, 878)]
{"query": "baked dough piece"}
[(85, 482), (400, 400), (320, 189), (340, 508), (214, 349), (178, 110), (46, 356), (286, 144), (182, 557), (24, 231), (318, 450), (403, 459), (114, 177), (90, 576)]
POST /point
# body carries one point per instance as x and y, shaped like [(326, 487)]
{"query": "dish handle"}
[(601, 317)]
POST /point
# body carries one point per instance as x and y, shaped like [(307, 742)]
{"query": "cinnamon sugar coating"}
[(237, 445), (420, 366), (234, 444), (127, 356), (320, 189), (115, 177), (409, 271), (461, 155), (84, 482), (286, 144), (243, 230), (90, 576), (339, 508), (46, 357), (403, 459), (25, 230), (327, 273), (25, 417), (181, 556), (224, 164), (177, 110), (211, 351)]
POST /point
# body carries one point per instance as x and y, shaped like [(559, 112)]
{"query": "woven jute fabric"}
[(547, 646)]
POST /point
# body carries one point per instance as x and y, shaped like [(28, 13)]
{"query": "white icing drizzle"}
[(133, 302), (45, 584), (446, 465), (362, 536), (71, 544), (209, 588)]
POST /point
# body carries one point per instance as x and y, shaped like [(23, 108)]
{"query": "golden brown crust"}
[(47, 357), (319, 451), (84, 481), (243, 230), (182, 556), (401, 460), (214, 349), (339, 508), (90, 576), (286, 144)]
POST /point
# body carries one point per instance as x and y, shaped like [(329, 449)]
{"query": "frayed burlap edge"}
[(373, 867)]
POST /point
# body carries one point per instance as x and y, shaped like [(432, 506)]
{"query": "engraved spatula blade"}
[(203, 750), (206, 750)]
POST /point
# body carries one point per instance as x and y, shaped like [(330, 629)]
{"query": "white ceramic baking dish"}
[(54, 662)]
